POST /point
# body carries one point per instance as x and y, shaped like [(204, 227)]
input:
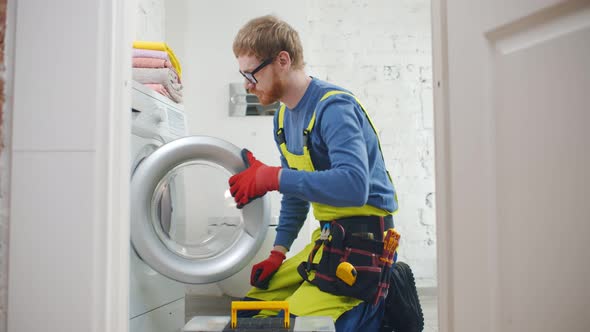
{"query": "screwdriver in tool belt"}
[(390, 244)]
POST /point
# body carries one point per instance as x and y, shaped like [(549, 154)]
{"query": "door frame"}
[(444, 255), (109, 305), (441, 132)]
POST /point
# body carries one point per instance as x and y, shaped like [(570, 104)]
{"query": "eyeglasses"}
[(250, 75)]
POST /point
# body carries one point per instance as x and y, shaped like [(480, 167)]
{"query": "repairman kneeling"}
[(330, 158)]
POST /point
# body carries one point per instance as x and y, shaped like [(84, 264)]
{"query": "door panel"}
[(513, 124), (542, 90)]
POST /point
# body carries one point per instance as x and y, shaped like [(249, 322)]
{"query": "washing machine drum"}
[(184, 222)]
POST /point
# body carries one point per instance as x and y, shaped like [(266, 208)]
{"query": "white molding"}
[(7, 76), (112, 313), (442, 167), (116, 143)]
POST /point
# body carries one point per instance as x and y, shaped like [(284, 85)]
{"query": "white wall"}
[(380, 50), (202, 38), (150, 20), (68, 234)]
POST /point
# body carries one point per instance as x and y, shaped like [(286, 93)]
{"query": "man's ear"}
[(284, 59)]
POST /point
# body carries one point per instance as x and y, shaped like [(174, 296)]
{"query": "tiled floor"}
[(219, 306)]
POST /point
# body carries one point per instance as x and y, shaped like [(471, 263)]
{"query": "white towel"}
[(165, 76), (155, 75)]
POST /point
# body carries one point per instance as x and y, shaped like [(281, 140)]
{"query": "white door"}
[(513, 164), (184, 223)]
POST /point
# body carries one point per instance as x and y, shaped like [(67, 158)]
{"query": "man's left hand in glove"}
[(254, 182)]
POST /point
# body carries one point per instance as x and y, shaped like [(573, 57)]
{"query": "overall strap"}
[(280, 133), (337, 92)]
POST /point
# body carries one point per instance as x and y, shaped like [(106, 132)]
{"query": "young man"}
[(331, 159)]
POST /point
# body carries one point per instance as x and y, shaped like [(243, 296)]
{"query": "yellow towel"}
[(159, 46)]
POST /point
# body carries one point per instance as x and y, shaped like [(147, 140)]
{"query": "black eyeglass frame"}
[(250, 75)]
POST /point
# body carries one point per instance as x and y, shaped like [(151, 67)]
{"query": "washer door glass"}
[(184, 222)]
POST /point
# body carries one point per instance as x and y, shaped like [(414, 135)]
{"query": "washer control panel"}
[(156, 114)]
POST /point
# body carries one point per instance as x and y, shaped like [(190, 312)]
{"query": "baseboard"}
[(427, 291), (205, 305)]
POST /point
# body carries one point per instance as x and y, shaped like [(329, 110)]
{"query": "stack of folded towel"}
[(156, 66)]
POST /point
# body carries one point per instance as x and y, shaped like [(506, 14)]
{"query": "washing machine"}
[(185, 227)]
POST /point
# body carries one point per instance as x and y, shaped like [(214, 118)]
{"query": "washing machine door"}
[(184, 222)]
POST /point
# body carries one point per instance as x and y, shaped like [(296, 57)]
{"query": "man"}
[(331, 159)]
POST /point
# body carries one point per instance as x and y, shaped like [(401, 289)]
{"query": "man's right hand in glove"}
[(255, 181), (263, 271)]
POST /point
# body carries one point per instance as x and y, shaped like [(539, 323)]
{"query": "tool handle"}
[(258, 305), (390, 244)]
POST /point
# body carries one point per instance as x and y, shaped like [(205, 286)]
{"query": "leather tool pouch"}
[(362, 253)]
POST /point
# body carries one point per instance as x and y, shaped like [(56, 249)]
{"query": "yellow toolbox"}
[(272, 324)]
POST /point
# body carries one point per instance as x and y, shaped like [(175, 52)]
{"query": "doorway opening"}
[(382, 52)]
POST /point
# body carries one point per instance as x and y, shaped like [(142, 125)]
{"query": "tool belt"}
[(368, 227), (354, 262)]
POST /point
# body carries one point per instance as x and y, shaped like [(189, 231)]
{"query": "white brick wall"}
[(379, 49)]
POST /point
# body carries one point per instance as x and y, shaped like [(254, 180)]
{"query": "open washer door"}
[(184, 223)]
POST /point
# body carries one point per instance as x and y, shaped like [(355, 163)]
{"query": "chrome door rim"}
[(144, 239)]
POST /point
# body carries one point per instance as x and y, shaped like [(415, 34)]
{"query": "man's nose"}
[(248, 85)]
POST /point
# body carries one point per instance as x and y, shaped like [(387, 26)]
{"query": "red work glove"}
[(254, 182), (263, 271)]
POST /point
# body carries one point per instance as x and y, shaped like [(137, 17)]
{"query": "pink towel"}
[(159, 88), (151, 63), (141, 53)]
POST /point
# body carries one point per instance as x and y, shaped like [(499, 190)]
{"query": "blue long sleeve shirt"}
[(344, 148)]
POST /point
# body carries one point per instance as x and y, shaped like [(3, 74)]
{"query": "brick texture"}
[(381, 51)]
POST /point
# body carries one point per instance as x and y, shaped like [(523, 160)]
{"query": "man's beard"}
[(274, 94)]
